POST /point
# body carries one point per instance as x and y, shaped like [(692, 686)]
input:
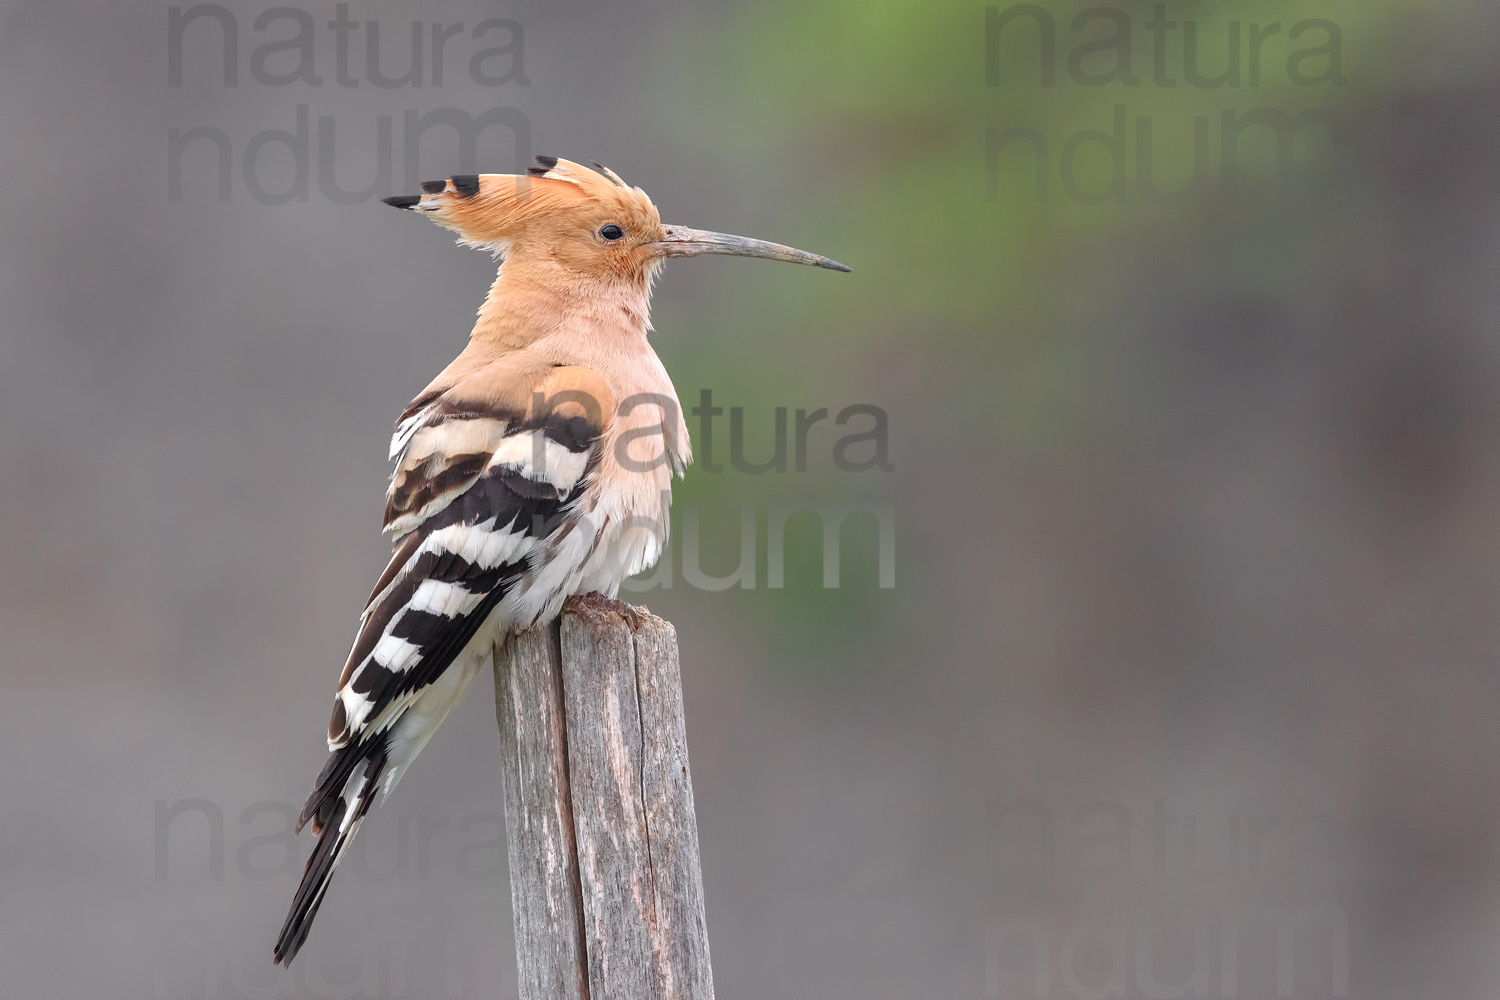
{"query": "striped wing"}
[(479, 483)]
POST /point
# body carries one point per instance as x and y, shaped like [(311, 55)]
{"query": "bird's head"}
[(587, 221)]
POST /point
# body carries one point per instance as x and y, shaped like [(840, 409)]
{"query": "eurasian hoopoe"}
[(537, 466)]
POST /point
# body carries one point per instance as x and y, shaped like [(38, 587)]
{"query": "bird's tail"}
[(344, 792)]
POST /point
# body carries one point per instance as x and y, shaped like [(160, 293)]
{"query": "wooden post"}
[(605, 879)]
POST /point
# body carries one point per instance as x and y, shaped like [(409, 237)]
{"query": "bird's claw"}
[(595, 601)]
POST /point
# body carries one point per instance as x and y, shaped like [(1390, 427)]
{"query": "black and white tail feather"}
[(337, 817), (478, 489)]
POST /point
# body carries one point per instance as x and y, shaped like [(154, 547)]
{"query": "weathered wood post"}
[(605, 879)]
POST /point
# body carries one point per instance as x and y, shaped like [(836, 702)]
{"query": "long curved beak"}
[(680, 241)]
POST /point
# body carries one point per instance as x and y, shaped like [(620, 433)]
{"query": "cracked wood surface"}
[(606, 882)]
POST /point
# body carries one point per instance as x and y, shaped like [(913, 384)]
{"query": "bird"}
[(537, 466)]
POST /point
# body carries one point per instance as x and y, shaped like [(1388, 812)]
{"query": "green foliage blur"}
[(989, 317)]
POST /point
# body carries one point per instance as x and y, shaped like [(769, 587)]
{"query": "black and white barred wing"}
[(478, 484)]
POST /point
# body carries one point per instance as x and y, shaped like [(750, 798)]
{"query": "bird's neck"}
[(530, 302)]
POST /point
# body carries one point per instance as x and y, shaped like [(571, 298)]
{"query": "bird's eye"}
[(611, 232)]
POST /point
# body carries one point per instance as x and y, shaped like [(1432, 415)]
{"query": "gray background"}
[(1197, 505)]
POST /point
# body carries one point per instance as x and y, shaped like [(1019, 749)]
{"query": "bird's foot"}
[(595, 601)]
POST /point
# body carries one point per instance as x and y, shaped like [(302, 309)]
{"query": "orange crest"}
[(589, 221)]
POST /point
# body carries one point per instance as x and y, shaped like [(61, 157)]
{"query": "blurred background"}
[(1187, 684)]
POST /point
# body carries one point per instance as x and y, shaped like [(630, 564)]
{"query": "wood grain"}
[(606, 881)]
